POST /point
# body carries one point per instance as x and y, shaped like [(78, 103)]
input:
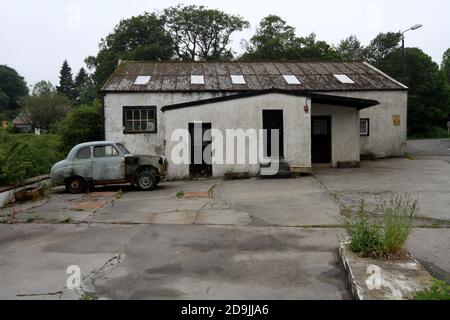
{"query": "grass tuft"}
[(385, 233)]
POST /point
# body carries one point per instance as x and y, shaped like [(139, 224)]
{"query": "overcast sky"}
[(36, 36)]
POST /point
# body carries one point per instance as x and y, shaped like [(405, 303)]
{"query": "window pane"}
[(137, 126), (84, 153), (129, 126), (150, 126), (136, 115), (144, 125), (129, 115), (105, 151), (151, 115)]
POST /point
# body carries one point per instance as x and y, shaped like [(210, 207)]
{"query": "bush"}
[(24, 156), (385, 233), (83, 124), (433, 133), (440, 290)]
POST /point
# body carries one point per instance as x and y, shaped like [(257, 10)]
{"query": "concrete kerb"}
[(375, 279)]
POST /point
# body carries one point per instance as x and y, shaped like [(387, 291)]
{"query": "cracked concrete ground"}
[(251, 239)]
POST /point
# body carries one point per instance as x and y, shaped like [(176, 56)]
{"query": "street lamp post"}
[(415, 27)]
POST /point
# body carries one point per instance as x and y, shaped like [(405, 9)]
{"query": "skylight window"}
[(237, 79), (142, 80), (344, 78), (197, 79), (291, 79)]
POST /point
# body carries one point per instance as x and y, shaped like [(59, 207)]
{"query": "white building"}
[(328, 113)]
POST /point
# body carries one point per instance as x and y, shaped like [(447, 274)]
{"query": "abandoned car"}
[(105, 163)]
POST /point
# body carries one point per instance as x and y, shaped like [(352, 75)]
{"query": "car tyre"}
[(76, 185), (146, 181)]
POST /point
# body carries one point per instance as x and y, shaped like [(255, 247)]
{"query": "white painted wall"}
[(143, 143), (385, 139), (246, 113), (344, 131)]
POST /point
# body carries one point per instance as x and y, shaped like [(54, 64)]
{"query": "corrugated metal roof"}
[(313, 76)]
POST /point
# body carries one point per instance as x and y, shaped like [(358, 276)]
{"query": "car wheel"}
[(146, 181), (76, 185)]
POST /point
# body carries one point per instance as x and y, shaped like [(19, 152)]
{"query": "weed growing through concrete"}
[(440, 290), (384, 234), (67, 220), (88, 297), (180, 194)]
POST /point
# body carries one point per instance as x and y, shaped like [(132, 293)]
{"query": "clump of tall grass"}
[(384, 232)]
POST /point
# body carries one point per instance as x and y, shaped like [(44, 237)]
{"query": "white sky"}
[(37, 35)]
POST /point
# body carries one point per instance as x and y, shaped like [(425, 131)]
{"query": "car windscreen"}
[(122, 148)]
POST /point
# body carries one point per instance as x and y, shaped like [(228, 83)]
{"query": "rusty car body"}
[(105, 163)]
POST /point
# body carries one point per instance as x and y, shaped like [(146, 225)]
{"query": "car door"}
[(108, 164)]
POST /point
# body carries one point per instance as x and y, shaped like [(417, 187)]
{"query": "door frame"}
[(207, 168), (330, 135), (281, 136)]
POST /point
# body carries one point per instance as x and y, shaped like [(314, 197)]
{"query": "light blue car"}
[(105, 163)]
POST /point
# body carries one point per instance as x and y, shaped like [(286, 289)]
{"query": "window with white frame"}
[(364, 127), (139, 119)]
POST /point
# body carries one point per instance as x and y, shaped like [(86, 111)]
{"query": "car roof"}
[(94, 143)]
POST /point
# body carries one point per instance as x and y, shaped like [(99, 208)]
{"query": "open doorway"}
[(273, 120), (321, 140), (199, 142)]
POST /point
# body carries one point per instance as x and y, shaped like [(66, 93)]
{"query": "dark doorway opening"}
[(273, 120), (321, 139), (200, 134)]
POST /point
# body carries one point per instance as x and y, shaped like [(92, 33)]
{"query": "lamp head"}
[(417, 26)]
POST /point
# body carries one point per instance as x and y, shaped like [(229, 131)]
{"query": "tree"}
[(43, 87), (273, 38), (46, 109), (66, 84), (429, 92), (84, 88), (81, 125), (351, 49), (276, 40), (382, 46), (139, 38), (446, 64), (202, 34), (12, 88)]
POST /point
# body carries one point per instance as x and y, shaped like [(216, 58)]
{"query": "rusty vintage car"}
[(105, 163)]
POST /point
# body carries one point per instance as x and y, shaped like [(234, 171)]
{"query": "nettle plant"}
[(385, 231)]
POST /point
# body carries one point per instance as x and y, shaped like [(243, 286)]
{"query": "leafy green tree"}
[(276, 40), (83, 124), (43, 87), (429, 91), (139, 38), (12, 88), (446, 64), (66, 85), (273, 38), (46, 109), (202, 34), (351, 49), (382, 46)]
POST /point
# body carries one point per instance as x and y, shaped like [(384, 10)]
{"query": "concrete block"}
[(378, 279)]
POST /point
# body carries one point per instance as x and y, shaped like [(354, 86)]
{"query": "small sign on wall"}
[(397, 121)]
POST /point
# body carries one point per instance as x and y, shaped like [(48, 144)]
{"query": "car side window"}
[(84, 153), (105, 151)]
